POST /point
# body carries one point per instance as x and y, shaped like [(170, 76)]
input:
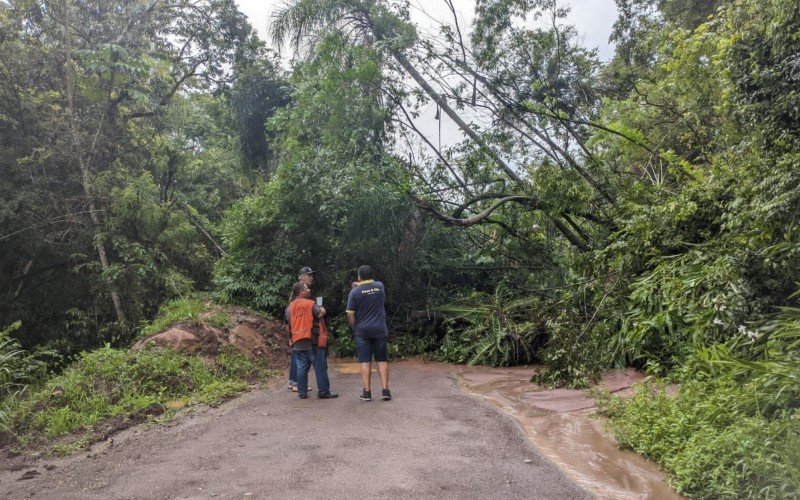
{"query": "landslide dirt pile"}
[(245, 331)]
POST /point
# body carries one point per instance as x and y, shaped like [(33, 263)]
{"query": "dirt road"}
[(432, 440)]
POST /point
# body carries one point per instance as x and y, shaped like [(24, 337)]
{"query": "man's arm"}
[(287, 326), (318, 311), (351, 309)]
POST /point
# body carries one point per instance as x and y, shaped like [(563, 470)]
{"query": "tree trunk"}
[(69, 83), (412, 71)]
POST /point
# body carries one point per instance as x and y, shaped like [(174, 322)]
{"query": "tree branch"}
[(475, 219)]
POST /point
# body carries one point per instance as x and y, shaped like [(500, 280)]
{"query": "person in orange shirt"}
[(303, 316), (306, 276)]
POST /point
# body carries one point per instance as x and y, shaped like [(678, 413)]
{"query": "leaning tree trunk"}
[(412, 71), (77, 145)]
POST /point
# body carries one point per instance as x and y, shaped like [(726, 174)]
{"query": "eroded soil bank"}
[(560, 423)]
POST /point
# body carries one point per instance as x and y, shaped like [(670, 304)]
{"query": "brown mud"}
[(562, 425)]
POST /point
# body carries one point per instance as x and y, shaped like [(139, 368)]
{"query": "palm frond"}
[(299, 19)]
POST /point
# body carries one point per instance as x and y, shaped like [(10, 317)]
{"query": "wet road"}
[(432, 441), (562, 426)]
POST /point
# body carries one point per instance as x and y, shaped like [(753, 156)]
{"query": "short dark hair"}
[(297, 288), (364, 272)]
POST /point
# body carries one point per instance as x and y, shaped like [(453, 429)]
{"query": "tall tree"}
[(373, 21), (100, 78)]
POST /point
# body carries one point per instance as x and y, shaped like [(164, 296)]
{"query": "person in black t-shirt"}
[(366, 315)]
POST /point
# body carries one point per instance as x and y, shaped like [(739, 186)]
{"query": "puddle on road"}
[(560, 424), (350, 368)]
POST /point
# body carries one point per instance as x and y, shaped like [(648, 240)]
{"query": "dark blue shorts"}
[(367, 347)]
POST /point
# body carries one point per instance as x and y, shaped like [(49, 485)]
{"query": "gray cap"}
[(306, 270)]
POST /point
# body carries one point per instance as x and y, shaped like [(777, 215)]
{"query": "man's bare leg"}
[(383, 371), (366, 368)]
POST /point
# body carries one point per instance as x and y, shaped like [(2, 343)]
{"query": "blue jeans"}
[(304, 360), (320, 362), (293, 369)]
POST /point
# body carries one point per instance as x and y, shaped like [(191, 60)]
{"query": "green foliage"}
[(685, 302), (762, 58), (258, 269), (188, 309), (576, 352), (654, 219), (220, 390), (136, 115), (709, 450), (732, 428), (410, 344), (337, 198), (342, 341), (231, 363), (18, 370), (766, 356), (344, 346), (116, 384), (496, 330), (257, 94)]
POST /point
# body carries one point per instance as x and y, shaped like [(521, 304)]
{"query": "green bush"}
[(18, 369), (733, 428), (493, 330), (343, 341), (575, 354), (710, 450), (400, 345), (687, 301), (766, 357), (409, 344), (108, 383)]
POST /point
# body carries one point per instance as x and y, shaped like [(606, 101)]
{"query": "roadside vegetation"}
[(108, 389), (636, 211)]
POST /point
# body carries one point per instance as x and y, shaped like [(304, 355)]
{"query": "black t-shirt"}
[(367, 302)]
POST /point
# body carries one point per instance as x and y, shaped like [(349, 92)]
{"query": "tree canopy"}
[(633, 212)]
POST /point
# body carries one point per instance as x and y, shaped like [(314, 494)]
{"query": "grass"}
[(124, 387), (188, 309), (109, 389), (709, 449)]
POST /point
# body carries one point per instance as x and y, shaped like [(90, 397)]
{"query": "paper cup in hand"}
[(319, 301)]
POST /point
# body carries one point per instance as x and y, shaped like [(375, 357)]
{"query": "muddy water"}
[(560, 424)]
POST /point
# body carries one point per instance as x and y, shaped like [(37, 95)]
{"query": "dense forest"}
[(640, 211)]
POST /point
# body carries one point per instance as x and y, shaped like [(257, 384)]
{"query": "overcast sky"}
[(592, 18)]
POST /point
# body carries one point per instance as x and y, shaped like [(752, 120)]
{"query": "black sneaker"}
[(366, 395), (328, 395), (302, 396), (387, 395)]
